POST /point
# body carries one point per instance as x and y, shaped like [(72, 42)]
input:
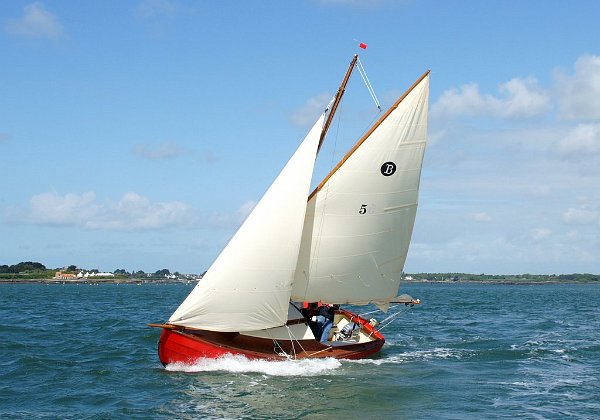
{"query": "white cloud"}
[(132, 212), (433, 137), (581, 140), (363, 3), (572, 235), (581, 216), (520, 98), (53, 209), (310, 111), (168, 150), (542, 190), (37, 22), (234, 220), (150, 9), (544, 203), (524, 99), (467, 101), (540, 234), (579, 94), (481, 217), (160, 15)]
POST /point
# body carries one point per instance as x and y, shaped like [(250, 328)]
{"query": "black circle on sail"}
[(388, 168)]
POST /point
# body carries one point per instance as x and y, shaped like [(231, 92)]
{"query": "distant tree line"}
[(36, 270), (25, 270), (22, 267), (563, 278)]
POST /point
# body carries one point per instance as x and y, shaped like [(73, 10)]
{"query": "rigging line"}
[(277, 344), (394, 315), (365, 78), (362, 314), (363, 73), (283, 352), (391, 318), (368, 87), (292, 339), (320, 351)]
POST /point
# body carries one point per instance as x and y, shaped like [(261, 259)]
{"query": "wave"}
[(417, 355), (241, 364)]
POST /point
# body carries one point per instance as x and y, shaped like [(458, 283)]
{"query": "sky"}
[(138, 135)]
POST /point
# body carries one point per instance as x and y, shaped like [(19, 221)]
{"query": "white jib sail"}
[(248, 286), (359, 224)]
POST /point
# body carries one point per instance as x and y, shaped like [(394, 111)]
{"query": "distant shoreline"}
[(509, 282), (496, 281), (95, 281)]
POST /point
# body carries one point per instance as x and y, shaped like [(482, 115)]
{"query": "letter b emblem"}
[(388, 168)]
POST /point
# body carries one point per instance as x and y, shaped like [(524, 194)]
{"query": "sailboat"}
[(344, 243)]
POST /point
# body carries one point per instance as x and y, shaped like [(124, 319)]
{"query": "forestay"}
[(359, 222), (248, 286)]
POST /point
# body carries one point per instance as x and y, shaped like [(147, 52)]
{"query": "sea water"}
[(470, 351)]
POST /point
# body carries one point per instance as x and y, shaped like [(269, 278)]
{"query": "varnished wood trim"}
[(166, 326), (338, 98)]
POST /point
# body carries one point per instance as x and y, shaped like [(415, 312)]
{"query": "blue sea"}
[(470, 351)]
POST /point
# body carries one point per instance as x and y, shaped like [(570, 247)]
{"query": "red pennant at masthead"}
[(363, 46)]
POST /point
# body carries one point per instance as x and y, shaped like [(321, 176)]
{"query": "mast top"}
[(338, 98)]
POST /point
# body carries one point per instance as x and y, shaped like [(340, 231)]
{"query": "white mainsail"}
[(248, 286), (359, 223)]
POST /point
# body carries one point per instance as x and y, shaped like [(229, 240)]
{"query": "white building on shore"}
[(92, 274)]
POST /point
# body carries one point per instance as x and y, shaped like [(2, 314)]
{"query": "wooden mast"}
[(338, 98)]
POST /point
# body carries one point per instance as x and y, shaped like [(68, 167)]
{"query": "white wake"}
[(241, 364)]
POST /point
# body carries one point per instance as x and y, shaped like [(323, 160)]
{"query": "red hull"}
[(187, 346)]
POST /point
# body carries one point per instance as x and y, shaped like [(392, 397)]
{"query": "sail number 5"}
[(363, 209)]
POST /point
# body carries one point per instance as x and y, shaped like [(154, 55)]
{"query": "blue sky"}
[(138, 134)]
